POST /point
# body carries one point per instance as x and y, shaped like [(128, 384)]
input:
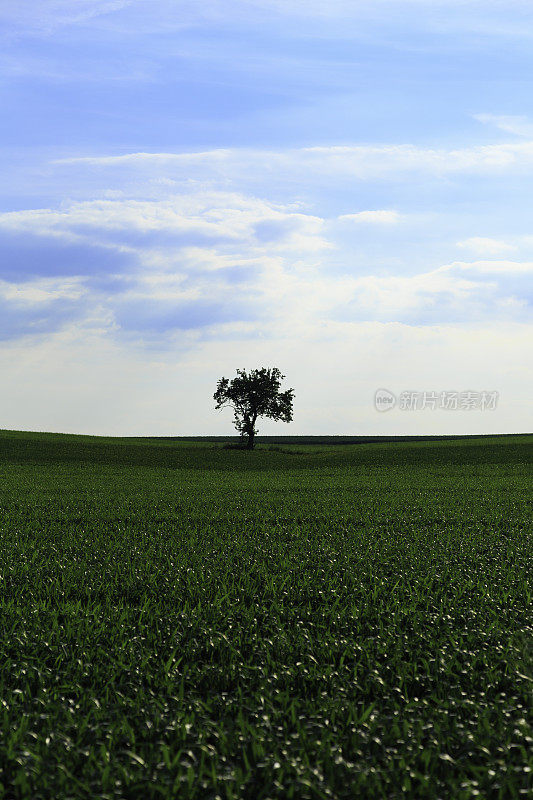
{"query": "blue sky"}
[(341, 190)]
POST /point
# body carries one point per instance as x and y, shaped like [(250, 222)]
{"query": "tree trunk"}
[(251, 433)]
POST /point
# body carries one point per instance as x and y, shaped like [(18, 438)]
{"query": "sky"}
[(341, 190)]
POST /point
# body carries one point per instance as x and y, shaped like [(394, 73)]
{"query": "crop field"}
[(307, 620)]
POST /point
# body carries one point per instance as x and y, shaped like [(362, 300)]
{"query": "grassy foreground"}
[(183, 621)]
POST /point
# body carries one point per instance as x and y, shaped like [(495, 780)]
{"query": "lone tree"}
[(252, 395)]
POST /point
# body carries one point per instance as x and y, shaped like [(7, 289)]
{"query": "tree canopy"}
[(253, 395)]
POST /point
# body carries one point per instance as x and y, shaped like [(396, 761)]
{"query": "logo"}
[(384, 400)]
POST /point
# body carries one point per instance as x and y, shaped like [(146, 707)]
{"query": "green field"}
[(320, 620)]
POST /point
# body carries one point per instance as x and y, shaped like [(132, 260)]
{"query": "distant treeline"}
[(333, 440)]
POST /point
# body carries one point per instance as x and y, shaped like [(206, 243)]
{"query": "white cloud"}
[(518, 125), (342, 162), (41, 291), (382, 217), (125, 365), (131, 159), (496, 267), (223, 216), (484, 246), (219, 259)]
